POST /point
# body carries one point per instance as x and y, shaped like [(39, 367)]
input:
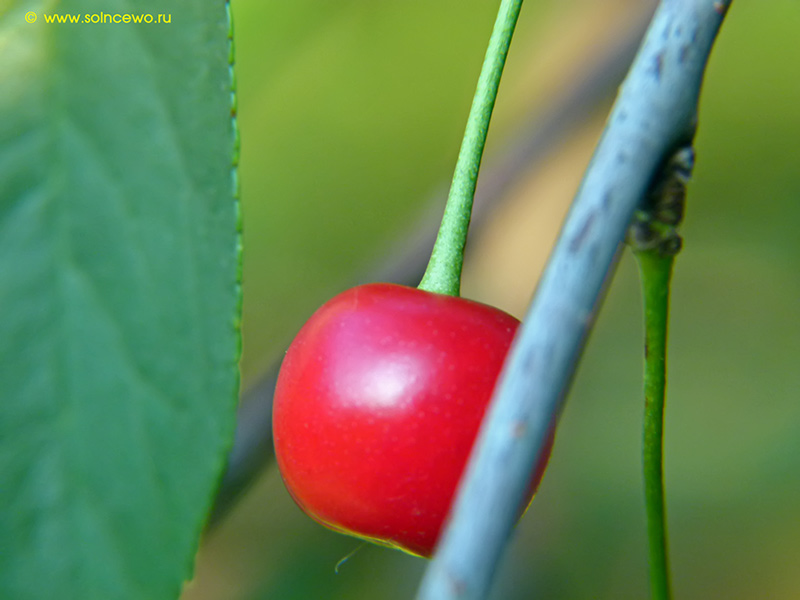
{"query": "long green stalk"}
[(443, 274), (655, 271)]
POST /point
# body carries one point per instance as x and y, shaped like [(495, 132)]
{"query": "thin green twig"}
[(655, 271), (654, 237), (443, 274)]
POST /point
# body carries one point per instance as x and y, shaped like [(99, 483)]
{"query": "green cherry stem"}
[(443, 274), (655, 270)]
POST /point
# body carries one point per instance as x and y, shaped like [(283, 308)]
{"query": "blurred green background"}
[(351, 115)]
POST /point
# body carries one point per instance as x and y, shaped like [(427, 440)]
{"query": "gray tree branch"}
[(654, 115)]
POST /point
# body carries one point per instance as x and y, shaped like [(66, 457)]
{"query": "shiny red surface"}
[(378, 402)]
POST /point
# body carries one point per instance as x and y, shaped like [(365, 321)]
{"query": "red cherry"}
[(377, 405)]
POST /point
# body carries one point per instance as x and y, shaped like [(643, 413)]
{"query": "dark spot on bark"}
[(606, 200), (646, 350), (658, 66), (458, 585), (583, 232)]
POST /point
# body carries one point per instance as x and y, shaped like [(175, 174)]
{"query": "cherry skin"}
[(378, 403)]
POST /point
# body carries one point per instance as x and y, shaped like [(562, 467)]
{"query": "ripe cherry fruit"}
[(378, 403)]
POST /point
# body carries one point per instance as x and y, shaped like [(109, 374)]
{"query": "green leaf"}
[(119, 292)]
